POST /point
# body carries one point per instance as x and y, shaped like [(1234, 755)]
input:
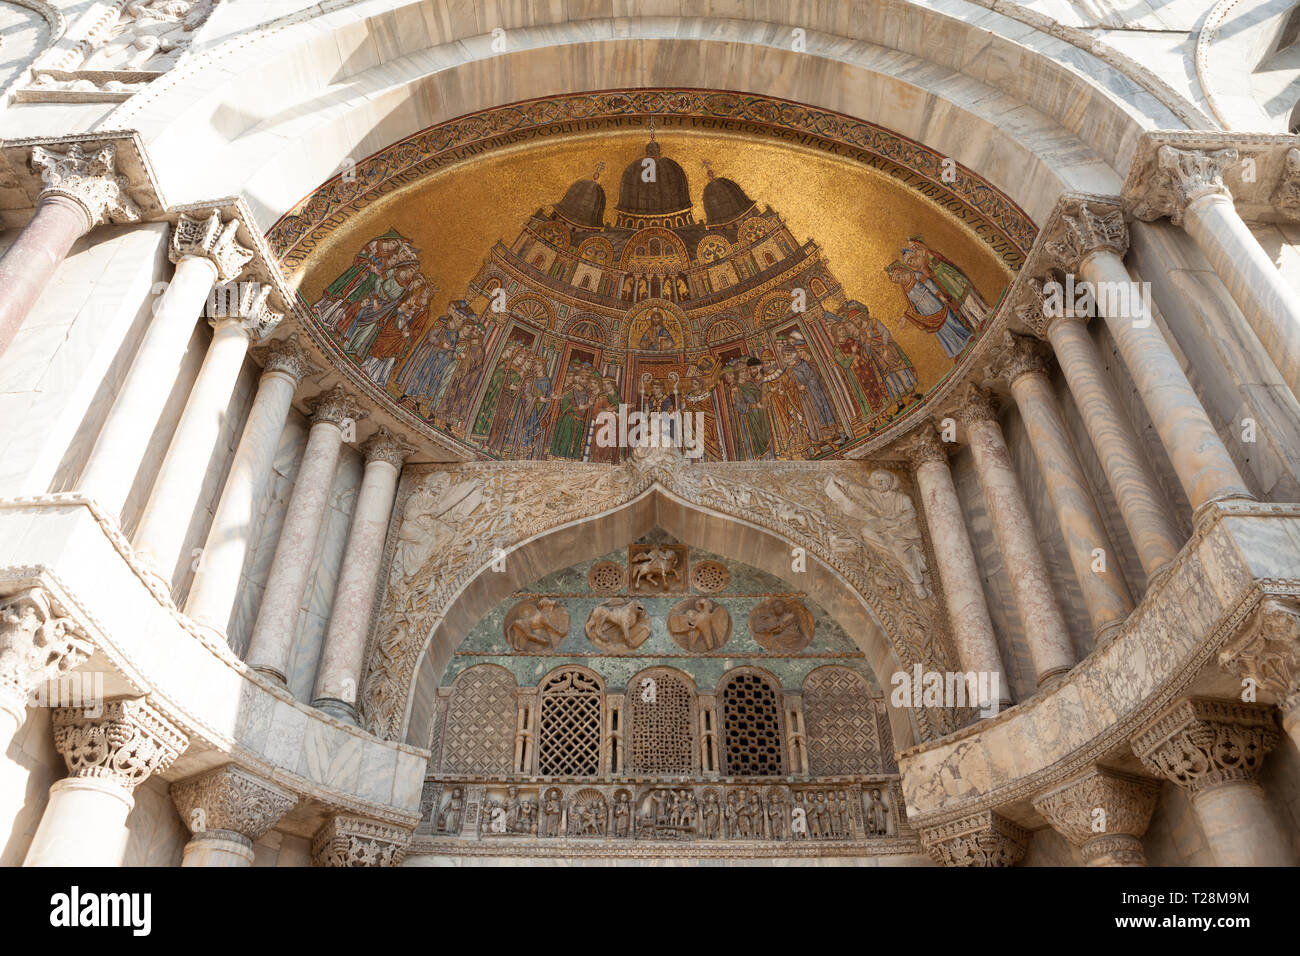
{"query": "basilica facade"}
[(442, 434)]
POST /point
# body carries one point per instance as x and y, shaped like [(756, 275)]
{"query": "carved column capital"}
[(89, 179), (1102, 814), (286, 355), (243, 304), (1088, 229), (336, 406), (923, 445), (356, 841), (1180, 177), (1020, 355), (122, 741), (1267, 651), (38, 642), (977, 405), (383, 445), (1286, 197), (1200, 743), (231, 801), (982, 839), (209, 238)]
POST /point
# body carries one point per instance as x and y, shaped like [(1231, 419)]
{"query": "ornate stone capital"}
[(212, 240), (923, 445), (383, 445), (336, 407), (88, 179), (1088, 229), (356, 841), (981, 839), (1094, 809), (124, 741), (1267, 651), (1200, 743), (287, 356), (244, 305), (230, 800), (1286, 197), (37, 643), (1020, 355), (977, 405), (1180, 177)]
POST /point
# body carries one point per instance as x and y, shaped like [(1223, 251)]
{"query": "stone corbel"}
[(229, 809), (1201, 743), (356, 841), (1267, 652), (38, 642), (984, 838), (88, 178), (122, 742), (1102, 814), (211, 238)]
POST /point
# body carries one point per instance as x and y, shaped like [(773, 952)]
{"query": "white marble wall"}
[(27, 769), (155, 834), (282, 849)]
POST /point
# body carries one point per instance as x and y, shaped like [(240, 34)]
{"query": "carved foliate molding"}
[(1099, 804), (1200, 743), (336, 406), (124, 741), (89, 179), (286, 355), (209, 238), (981, 839), (1028, 306), (231, 800), (1019, 355), (1268, 651), (1179, 178), (244, 304), (977, 405), (1286, 197), (383, 445), (356, 841), (38, 642)]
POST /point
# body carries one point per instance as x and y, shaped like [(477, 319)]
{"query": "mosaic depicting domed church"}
[(686, 296)]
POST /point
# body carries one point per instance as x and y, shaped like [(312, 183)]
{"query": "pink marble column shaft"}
[(29, 263)]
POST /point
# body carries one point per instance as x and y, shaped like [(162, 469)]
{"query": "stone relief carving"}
[(657, 568), (782, 625), (540, 624), (981, 839), (607, 577), (710, 577), (698, 625), (449, 817), (355, 841), (619, 624), (38, 642), (888, 523)]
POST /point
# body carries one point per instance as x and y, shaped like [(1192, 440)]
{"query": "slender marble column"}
[(38, 642), (1267, 653), (277, 618), (1104, 592), (204, 251), (216, 583), (1145, 512), (1204, 468), (1040, 614), (1103, 815), (81, 191), (339, 670), (1188, 186), (228, 810), (968, 613), (1214, 749), (171, 502), (108, 756)]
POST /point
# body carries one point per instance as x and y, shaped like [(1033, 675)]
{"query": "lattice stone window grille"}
[(663, 723), (751, 726), (840, 717), (479, 736), (569, 728)]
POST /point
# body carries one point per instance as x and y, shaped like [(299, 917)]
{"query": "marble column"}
[(1187, 185), (277, 618), (204, 251), (108, 756), (1213, 749), (339, 672), (228, 810), (38, 643), (81, 190), (1106, 596), (1096, 241), (215, 587), (1266, 656), (356, 841), (982, 839), (968, 612), (166, 518), (1102, 814), (1040, 614), (1144, 510)]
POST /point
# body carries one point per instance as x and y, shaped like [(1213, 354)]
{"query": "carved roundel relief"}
[(698, 625), (710, 577), (619, 624), (536, 624), (781, 625), (607, 577)]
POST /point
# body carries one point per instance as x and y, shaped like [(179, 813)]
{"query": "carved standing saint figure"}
[(876, 814), (888, 523), (619, 624), (622, 814), (710, 814), (781, 625), (540, 623), (449, 818), (698, 625), (552, 811)]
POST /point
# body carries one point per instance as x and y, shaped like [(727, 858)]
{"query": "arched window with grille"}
[(661, 705), (569, 728), (480, 734), (752, 741), (840, 721)]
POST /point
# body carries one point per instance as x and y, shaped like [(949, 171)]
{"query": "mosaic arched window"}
[(568, 732), (661, 710), (480, 730), (840, 723), (752, 744)]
